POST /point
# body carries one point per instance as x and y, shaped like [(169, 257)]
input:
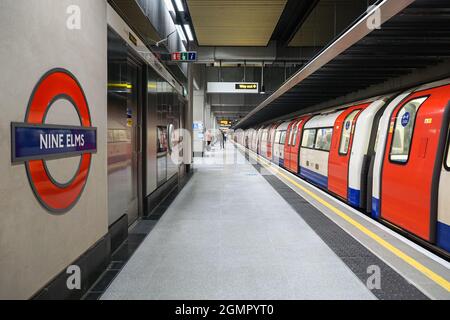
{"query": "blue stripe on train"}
[(281, 162), (375, 208), (354, 197), (314, 177), (443, 236)]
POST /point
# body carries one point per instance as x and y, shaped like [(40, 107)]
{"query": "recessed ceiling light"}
[(180, 6), (189, 32)]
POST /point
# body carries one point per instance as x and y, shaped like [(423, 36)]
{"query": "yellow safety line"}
[(414, 263)]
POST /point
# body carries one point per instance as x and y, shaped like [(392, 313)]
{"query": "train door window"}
[(292, 134), (277, 137), (323, 139), (403, 130), (297, 128), (283, 137), (309, 138), (347, 132)]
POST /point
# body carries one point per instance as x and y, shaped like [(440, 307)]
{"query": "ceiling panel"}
[(327, 20), (235, 22)]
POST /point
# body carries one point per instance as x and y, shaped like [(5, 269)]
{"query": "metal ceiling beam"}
[(359, 30)]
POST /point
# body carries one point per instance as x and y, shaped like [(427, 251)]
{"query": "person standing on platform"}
[(208, 140), (224, 139)]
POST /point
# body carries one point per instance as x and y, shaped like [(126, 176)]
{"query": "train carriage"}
[(315, 148)]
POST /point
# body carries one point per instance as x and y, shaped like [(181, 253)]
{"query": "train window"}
[(292, 134), (277, 137), (323, 139), (283, 137), (309, 138), (403, 130), (297, 128), (347, 132)]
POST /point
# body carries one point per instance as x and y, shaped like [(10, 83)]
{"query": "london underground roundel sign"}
[(34, 141)]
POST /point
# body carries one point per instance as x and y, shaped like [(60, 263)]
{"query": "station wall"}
[(36, 245)]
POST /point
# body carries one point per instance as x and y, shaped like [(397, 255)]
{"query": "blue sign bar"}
[(33, 142)]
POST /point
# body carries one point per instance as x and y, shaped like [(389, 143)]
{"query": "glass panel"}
[(309, 137), (277, 136), (292, 133), (347, 132), (162, 140), (323, 140), (171, 137), (403, 130), (297, 128), (283, 137)]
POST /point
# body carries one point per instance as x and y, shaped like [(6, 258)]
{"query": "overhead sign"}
[(33, 141), (246, 86), (225, 123), (189, 56), (233, 87)]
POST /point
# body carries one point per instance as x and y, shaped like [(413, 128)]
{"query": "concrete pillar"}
[(198, 109)]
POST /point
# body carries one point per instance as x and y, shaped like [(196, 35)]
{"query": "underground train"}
[(387, 156)]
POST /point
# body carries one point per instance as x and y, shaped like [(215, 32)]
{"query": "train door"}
[(124, 138), (295, 145), (287, 149), (408, 181), (341, 148), (443, 225)]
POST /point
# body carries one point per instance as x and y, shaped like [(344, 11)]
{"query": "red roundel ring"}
[(55, 84)]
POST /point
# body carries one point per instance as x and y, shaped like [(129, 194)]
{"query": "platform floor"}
[(229, 235)]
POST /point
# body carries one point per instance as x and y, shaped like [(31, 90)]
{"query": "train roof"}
[(323, 120)]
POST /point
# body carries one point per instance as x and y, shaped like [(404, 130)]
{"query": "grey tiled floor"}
[(229, 235)]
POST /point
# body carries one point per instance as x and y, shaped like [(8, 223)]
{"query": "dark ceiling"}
[(417, 38)]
